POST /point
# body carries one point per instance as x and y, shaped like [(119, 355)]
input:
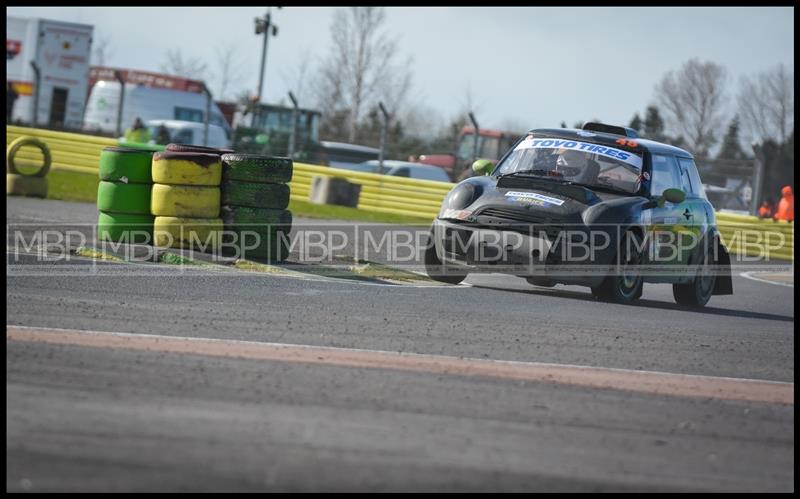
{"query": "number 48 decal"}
[(627, 143)]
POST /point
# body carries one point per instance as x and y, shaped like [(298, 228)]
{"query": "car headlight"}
[(451, 214), (454, 206)]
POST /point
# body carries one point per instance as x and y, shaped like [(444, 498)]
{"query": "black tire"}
[(272, 245), (119, 197), (624, 285), (121, 164), (19, 143), (202, 149), (244, 217), (25, 185), (697, 293), (256, 168), (271, 228), (121, 227), (434, 267), (254, 195)]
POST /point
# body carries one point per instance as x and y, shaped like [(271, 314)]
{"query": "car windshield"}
[(592, 165), (359, 167)]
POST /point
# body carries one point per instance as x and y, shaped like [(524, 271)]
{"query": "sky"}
[(525, 67)]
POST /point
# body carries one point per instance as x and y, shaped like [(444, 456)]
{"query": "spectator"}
[(765, 211), (11, 97), (137, 133), (786, 205), (162, 135)]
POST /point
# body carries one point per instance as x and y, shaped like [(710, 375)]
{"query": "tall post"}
[(38, 77), (263, 26), (121, 104), (293, 135), (477, 136), (384, 127), (207, 114), (758, 179)]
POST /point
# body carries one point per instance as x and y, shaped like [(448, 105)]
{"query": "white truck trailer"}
[(60, 53)]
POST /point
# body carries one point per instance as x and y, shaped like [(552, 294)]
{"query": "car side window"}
[(402, 172), (184, 136), (665, 174), (690, 168), (686, 185), (427, 174)]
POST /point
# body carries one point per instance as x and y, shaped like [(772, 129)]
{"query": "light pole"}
[(384, 127), (293, 136), (477, 136), (264, 26)]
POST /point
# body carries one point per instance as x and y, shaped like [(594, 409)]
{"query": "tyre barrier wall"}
[(69, 151), (747, 235), (21, 182), (186, 198), (255, 198), (379, 193), (123, 195)]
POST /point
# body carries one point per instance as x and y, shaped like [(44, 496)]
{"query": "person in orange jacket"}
[(765, 211), (786, 205)]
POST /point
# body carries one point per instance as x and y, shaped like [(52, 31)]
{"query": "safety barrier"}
[(404, 196), (70, 151), (745, 234), (381, 193)]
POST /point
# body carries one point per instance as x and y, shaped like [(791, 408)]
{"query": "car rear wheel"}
[(699, 291), (437, 270), (625, 284)]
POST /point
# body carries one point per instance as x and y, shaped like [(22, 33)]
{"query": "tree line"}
[(694, 106)]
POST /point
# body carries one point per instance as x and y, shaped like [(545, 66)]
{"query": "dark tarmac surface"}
[(82, 418)]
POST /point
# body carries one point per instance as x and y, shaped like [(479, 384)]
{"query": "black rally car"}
[(597, 207)]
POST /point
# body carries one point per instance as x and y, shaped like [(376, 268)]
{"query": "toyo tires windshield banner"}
[(627, 157)]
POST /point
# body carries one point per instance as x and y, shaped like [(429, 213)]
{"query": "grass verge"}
[(329, 211), (379, 271), (95, 254), (72, 186)]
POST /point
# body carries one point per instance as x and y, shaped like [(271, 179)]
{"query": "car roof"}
[(348, 147), (650, 145), (180, 124), (394, 163)]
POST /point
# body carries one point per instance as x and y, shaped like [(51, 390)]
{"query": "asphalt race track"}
[(103, 412)]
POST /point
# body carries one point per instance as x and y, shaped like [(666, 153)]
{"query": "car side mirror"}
[(482, 166), (673, 195)]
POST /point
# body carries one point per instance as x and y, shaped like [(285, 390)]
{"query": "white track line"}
[(748, 275)]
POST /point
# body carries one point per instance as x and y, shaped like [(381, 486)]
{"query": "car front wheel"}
[(435, 268), (626, 283)]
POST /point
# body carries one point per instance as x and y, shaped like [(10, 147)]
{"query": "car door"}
[(696, 215), (668, 222)]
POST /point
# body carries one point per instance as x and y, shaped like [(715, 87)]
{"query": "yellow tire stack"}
[(185, 200)]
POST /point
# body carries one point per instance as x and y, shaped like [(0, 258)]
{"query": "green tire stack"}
[(255, 195), (123, 196), (186, 198)]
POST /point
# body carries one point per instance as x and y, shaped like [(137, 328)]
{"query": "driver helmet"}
[(572, 158)]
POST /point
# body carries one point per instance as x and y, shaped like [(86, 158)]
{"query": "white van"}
[(189, 132), (149, 103)]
